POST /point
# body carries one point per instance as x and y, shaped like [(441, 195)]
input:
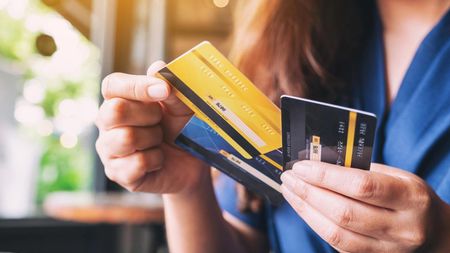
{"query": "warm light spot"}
[(45, 128), (3, 4), (67, 107), (68, 140), (221, 3), (34, 91), (28, 114), (16, 8), (75, 116)]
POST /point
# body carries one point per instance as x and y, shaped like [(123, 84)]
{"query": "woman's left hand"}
[(381, 210)]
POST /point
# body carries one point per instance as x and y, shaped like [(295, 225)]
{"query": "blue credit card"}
[(257, 174)]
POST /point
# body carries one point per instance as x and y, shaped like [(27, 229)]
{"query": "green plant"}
[(60, 90)]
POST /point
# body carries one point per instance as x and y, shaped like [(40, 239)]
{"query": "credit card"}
[(236, 128), (218, 93), (257, 174), (324, 132)]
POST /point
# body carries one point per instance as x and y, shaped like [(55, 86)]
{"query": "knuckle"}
[(426, 202), (301, 190), (417, 237), (106, 85), (423, 197), (98, 120), (127, 179), (129, 188), (134, 184), (117, 105), (127, 136), (141, 161), (101, 115), (110, 174), (98, 146), (321, 175), (111, 112), (132, 187), (117, 109), (100, 149), (334, 236), (345, 216), (365, 187)]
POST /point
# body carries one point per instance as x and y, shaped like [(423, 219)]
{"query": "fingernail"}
[(302, 169), (157, 91), (288, 179)]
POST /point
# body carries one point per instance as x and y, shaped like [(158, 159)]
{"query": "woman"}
[(388, 57)]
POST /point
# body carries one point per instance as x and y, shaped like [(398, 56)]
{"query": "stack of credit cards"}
[(235, 127)]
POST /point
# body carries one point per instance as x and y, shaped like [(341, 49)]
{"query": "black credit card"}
[(324, 132)]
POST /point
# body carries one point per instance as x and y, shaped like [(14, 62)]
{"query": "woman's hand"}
[(138, 123), (382, 210)]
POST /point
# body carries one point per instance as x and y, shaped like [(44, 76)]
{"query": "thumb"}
[(177, 114), (134, 87), (173, 105)]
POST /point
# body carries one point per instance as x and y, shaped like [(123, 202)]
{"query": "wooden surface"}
[(113, 208)]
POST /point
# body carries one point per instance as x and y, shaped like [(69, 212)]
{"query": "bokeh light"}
[(56, 71), (45, 128), (221, 3), (28, 114), (34, 91), (68, 140)]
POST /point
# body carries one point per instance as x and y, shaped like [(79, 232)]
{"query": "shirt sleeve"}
[(225, 189)]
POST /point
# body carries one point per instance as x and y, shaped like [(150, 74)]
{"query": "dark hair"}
[(295, 46), (298, 47)]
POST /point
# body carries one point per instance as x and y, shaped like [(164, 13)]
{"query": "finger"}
[(370, 187), (345, 212), (134, 87), (174, 106), (155, 67), (391, 171), (119, 112), (130, 171), (176, 113), (169, 179), (120, 142), (338, 237)]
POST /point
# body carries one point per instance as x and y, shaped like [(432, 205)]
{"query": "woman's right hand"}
[(138, 122)]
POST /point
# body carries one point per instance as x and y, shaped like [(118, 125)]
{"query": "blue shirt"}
[(413, 134)]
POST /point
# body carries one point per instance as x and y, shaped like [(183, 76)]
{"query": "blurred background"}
[(54, 196)]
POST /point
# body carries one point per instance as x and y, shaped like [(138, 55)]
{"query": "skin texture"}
[(382, 210), (405, 25), (138, 122)]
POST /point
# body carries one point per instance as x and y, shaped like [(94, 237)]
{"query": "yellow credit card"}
[(219, 94)]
